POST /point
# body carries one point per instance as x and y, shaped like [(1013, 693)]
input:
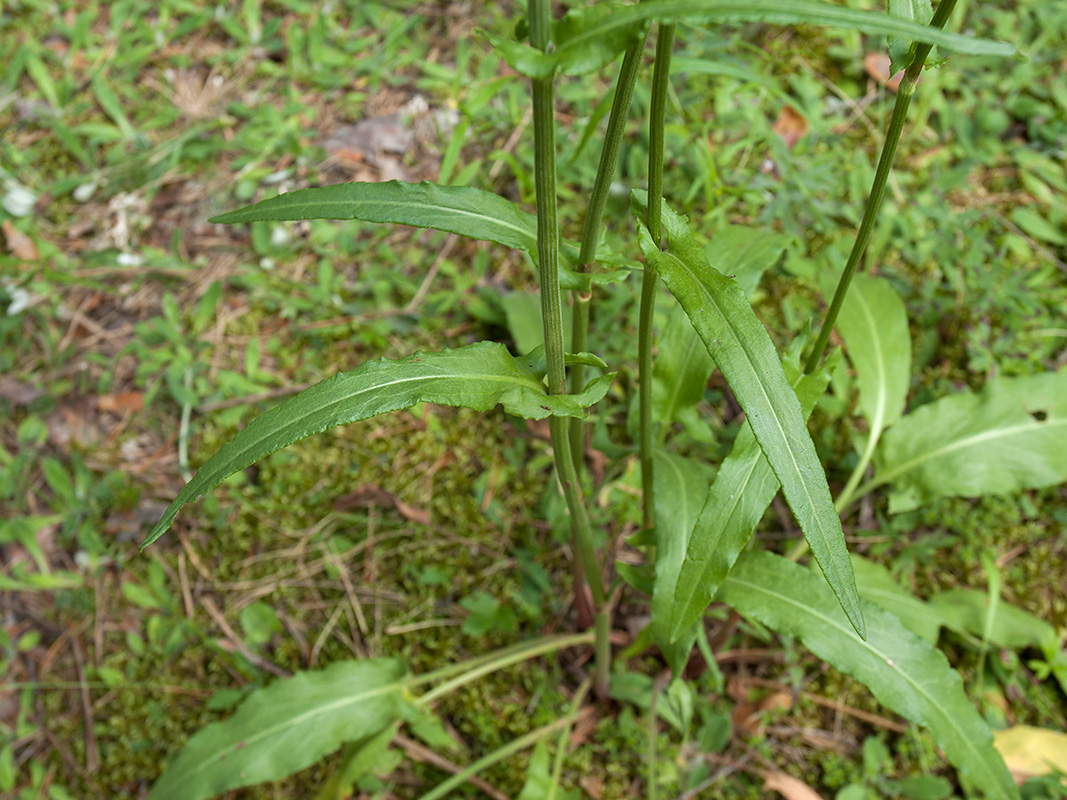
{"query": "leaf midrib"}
[(682, 10), (740, 340), (704, 563), (882, 394), (847, 631), (293, 722), (404, 203), (959, 444), (295, 421)]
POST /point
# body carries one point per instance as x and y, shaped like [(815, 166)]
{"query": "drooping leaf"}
[(904, 672), (744, 486), (588, 38), (745, 355), (288, 726), (463, 210), (680, 486), (1010, 436), (874, 324), (877, 586), (478, 376)]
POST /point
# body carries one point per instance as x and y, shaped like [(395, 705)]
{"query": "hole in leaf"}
[(1040, 416)]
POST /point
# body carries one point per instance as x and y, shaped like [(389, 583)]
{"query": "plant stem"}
[(881, 175), (564, 733), (514, 746), (609, 159), (551, 310), (660, 84), (477, 667), (905, 92)]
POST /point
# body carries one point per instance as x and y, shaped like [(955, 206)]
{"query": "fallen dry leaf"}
[(19, 244), (1030, 751), (790, 125), (120, 403), (788, 787), (877, 66)]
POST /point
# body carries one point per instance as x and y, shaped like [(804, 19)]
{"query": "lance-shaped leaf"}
[(906, 673), (1010, 436), (463, 210), (286, 727), (680, 486), (747, 359), (588, 38), (744, 486), (874, 324), (683, 365), (479, 376)]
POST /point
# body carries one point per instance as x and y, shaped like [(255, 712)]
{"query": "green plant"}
[(693, 534)]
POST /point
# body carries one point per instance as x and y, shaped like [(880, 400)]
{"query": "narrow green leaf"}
[(478, 376), (457, 209), (288, 726), (112, 106), (874, 324), (747, 359), (904, 672), (680, 487), (1010, 436), (462, 210), (683, 365), (588, 38), (744, 486)]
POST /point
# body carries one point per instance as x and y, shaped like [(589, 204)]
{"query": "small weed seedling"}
[(1008, 437)]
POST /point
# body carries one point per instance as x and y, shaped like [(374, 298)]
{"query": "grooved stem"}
[(660, 85), (881, 176), (609, 159), (551, 310)]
